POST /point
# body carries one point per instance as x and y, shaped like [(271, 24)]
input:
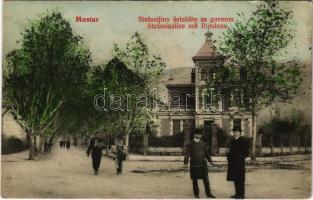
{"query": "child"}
[(120, 156)]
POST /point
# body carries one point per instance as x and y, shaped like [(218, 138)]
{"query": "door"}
[(176, 126), (210, 136), (207, 133)]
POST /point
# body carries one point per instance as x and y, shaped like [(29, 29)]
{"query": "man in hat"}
[(95, 148), (238, 151), (198, 154)]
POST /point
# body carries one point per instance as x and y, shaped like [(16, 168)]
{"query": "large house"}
[(186, 107)]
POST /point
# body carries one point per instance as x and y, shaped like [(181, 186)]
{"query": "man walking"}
[(68, 144), (198, 153), (238, 151), (95, 147)]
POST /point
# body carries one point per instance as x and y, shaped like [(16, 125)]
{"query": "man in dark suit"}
[(198, 153), (238, 151), (95, 148)]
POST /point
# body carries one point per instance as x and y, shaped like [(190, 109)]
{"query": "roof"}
[(179, 83), (208, 50)]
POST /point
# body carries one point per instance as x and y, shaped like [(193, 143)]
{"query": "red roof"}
[(208, 50)]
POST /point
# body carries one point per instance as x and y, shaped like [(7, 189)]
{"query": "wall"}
[(11, 128)]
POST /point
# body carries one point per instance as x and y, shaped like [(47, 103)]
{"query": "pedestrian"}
[(199, 155), (63, 143), (238, 151), (120, 156), (68, 144), (95, 148), (45, 149)]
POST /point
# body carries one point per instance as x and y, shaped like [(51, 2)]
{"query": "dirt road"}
[(68, 174)]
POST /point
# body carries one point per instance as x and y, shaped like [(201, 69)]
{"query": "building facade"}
[(192, 104)]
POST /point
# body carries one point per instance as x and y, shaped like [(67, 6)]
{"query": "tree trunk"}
[(253, 157), (41, 144), (281, 145), (31, 155), (36, 145), (127, 143), (298, 140), (51, 139), (145, 138), (272, 146), (290, 144), (28, 138), (107, 144), (305, 146)]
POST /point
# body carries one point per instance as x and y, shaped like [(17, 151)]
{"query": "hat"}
[(237, 128), (197, 132)]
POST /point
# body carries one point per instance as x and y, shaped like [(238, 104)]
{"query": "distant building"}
[(10, 128), (193, 110)]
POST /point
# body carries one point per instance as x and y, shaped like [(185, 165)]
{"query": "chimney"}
[(193, 75)]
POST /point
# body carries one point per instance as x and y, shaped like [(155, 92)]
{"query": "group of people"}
[(95, 148), (198, 155), (65, 144)]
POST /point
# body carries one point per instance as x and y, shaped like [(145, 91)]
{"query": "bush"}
[(12, 145), (286, 128), (135, 142), (176, 140)]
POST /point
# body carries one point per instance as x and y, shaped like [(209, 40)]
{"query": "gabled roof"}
[(179, 83), (208, 50), (179, 77)]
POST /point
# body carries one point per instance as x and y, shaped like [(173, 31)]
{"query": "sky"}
[(119, 20)]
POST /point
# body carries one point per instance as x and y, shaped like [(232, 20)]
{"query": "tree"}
[(301, 128), (294, 126), (121, 89), (138, 58), (146, 65), (44, 74), (251, 47)]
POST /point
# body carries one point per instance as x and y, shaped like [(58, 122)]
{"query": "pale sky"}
[(118, 20)]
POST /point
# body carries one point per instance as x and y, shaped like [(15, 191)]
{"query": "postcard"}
[(156, 99)]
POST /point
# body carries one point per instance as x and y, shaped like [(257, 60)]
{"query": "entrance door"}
[(210, 136), (176, 126), (207, 132)]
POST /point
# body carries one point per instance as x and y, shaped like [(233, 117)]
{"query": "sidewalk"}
[(286, 158)]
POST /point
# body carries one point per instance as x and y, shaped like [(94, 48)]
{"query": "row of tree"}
[(50, 84), (291, 130)]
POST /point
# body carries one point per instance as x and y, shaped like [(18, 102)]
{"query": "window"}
[(203, 75), (212, 74), (237, 123), (176, 126)]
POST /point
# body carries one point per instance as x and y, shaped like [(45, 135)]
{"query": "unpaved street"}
[(68, 174)]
